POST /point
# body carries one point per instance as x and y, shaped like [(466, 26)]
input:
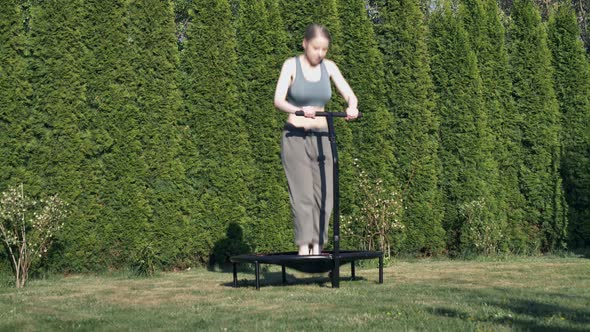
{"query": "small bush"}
[(378, 223), (145, 262), (477, 235), (27, 228)]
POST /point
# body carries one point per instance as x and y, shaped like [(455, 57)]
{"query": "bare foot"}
[(316, 249), (303, 250)]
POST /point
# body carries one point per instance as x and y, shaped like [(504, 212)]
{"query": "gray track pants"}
[(307, 159)]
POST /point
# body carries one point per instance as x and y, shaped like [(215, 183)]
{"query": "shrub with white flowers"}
[(477, 235), (379, 219), (27, 228)]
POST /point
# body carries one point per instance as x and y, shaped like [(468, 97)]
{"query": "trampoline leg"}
[(336, 274), (284, 274), (381, 269), (235, 276), (352, 272), (257, 271)]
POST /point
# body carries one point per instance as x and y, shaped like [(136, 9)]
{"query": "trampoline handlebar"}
[(333, 114)]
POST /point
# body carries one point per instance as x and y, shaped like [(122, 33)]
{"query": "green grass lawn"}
[(537, 294)]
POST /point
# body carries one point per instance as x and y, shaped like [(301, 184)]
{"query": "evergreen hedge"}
[(483, 22), (372, 147), (214, 121), (271, 227), (410, 99), (465, 151), (58, 145), (536, 104), (116, 201), (572, 87), (15, 92), (155, 72)]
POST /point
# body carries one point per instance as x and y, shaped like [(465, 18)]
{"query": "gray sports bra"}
[(309, 93)]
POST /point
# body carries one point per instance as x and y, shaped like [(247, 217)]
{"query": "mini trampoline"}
[(327, 261)]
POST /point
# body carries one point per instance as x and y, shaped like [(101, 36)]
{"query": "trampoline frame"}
[(335, 258), (303, 263)]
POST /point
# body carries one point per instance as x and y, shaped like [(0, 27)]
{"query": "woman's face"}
[(316, 49)]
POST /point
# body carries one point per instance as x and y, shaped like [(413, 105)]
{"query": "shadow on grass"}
[(522, 313), (232, 244), (543, 310), (513, 322)]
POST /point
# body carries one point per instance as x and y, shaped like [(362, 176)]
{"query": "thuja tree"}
[(57, 147), (279, 49), (271, 228), (409, 98), (536, 103), (296, 16), (116, 172), (325, 12), (213, 116), (581, 7), (277, 35), (155, 60), (14, 93), (572, 87), (363, 64), (373, 135), (465, 151), (483, 22)]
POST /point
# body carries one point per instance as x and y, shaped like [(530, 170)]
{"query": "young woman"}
[(304, 85)]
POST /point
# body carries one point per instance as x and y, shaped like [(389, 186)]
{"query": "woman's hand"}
[(352, 113), (309, 111)]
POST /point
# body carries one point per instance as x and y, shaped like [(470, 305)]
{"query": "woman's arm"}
[(344, 89), (283, 86)]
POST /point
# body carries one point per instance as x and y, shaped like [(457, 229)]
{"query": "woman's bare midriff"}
[(308, 123)]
